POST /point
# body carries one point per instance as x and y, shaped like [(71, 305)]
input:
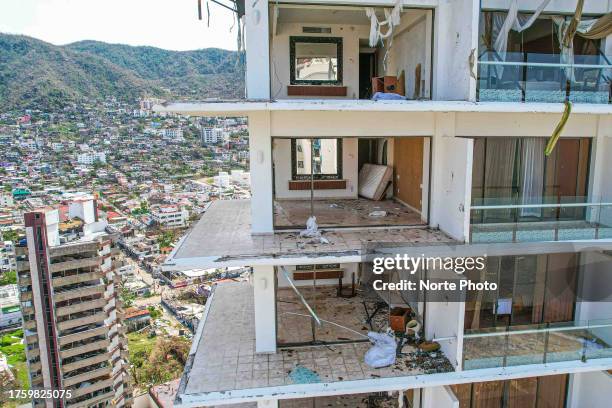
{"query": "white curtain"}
[(499, 173), (515, 22), (532, 184)]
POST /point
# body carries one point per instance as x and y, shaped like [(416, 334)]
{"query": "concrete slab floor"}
[(343, 213), (224, 235), (294, 322), (225, 357)]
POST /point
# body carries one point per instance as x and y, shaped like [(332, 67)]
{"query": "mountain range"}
[(36, 74)]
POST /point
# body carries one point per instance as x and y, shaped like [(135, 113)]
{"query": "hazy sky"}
[(170, 24)]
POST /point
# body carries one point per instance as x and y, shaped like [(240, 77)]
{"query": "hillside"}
[(34, 73)]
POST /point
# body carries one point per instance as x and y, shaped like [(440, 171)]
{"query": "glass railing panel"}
[(544, 79), (589, 83), (598, 343), (565, 219), (487, 349), (499, 82), (537, 344), (564, 342), (525, 345), (519, 77)]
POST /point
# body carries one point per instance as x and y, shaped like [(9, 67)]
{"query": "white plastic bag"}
[(382, 353)]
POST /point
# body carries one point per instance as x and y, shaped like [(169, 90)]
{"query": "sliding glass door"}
[(514, 173)]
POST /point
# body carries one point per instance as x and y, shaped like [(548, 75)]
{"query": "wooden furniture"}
[(316, 90), (387, 84), (318, 184)]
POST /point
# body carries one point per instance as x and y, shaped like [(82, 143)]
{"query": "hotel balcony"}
[(531, 77), (578, 341), (228, 223), (231, 371)]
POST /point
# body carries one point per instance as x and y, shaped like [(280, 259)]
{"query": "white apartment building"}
[(91, 157), (175, 134), (6, 200), (214, 135), (170, 216), (415, 127), (10, 313)]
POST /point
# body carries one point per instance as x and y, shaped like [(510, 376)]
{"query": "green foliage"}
[(165, 239), (156, 360), (36, 73), (154, 312), (8, 278), (10, 235), (127, 297)]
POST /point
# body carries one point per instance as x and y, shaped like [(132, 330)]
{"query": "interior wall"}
[(445, 319), (591, 389), (281, 154), (456, 37), (453, 181), (411, 46), (279, 55)]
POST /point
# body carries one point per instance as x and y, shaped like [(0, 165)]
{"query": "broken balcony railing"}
[(537, 344), (572, 219), (530, 77)]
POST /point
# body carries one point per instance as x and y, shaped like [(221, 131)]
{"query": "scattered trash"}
[(382, 353), (413, 328), (334, 205), (312, 231), (303, 375), (429, 346), (378, 213)]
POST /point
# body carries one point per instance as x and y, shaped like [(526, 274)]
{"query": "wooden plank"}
[(315, 90), (318, 184), (335, 274)]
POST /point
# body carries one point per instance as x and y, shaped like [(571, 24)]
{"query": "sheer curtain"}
[(532, 177), (499, 174)]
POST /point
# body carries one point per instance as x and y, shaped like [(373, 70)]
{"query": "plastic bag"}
[(382, 353)]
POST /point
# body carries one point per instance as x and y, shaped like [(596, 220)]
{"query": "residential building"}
[(10, 313), (175, 134), (71, 314), (6, 200), (90, 157), (454, 113), (170, 216), (213, 135)]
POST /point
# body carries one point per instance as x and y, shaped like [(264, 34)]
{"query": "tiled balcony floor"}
[(223, 235), (225, 357), (343, 213)]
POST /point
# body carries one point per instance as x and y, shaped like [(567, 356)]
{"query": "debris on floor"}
[(430, 363), (312, 231), (303, 375), (382, 353), (378, 214)]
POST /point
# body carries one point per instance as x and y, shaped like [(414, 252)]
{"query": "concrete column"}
[(264, 284), (267, 404), (456, 28), (257, 50), (260, 148)]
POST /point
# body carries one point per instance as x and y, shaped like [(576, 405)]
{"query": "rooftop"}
[(222, 237)]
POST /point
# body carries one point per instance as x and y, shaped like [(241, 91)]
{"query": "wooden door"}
[(552, 391), (408, 170)]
